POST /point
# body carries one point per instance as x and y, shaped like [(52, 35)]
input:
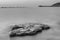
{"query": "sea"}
[(9, 16)]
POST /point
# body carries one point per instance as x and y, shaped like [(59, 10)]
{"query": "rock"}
[(30, 29), (56, 4)]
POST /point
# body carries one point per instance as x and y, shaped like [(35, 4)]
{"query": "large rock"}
[(30, 29)]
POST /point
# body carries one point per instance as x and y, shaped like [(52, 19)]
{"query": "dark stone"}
[(56, 5), (32, 33), (12, 35), (45, 27)]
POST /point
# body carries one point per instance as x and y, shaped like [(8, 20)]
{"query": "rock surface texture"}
[(29, 29)]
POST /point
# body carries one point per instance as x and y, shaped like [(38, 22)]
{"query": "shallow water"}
[(10, 16)]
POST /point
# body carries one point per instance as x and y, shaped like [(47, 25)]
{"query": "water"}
[(22, 15)]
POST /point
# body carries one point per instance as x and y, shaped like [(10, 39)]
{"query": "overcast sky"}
[(27, 2)]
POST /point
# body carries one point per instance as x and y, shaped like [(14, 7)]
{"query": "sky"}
[(26, 2)]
